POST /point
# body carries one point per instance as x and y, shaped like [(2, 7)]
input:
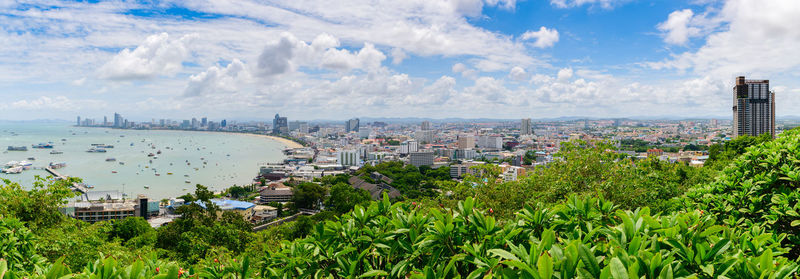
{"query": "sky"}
[(337, 59)]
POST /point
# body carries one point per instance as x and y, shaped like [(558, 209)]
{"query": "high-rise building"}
[(280, 125), (79, 121), (421, 158), (466, 142), (753, 108), (525, 128), (204, 122), (195, 123), (426, 125), (351, 125), (424, 136), (118, 121), (223, 123), (105, 120)]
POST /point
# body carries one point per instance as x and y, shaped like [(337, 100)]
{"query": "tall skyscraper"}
[(753, 108), (79, 121), (525, 128), (105, 120), (466, 142), (118, 120), (351, 125), (426, 125), (204, 122), (280, 125), (223, 123)]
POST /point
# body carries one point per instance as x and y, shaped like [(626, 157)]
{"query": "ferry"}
[(57, 165), (56, 152), (42, 145), (17, 148), (111, 159), (17, 169)]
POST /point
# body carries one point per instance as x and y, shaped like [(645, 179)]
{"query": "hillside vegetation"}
[(593, 214)]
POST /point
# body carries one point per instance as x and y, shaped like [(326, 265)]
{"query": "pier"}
[(75, 186)]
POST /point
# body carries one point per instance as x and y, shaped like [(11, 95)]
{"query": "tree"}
[(37, 207), (308, 195), (130, 227), (344, 197), (237, 192)]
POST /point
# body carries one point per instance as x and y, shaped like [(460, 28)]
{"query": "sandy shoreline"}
[(289, 143)]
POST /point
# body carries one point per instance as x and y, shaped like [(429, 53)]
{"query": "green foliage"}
[(308, 195), (579, 238), (721, 154), (344, 197), (203, 229), (18, 245), (130, 227), (37, 207), (759, 188), (411, 181)]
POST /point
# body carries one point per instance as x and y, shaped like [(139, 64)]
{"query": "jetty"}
[(75, 186)]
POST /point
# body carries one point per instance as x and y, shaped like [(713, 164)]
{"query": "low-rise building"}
[(419, 159), (275, 193)]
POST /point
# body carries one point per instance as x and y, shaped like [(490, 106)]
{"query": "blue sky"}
[(319, 59)]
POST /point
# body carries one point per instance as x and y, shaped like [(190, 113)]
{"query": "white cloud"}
[(219, 80), (757, 38), (157, 55), (79, 82), (677, 27), (57, 103), (289, 53), (605, 4), (544, 38), (398, 55), (518, 74), (465, 71)]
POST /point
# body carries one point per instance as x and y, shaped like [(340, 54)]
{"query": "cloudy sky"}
[(336, 59)]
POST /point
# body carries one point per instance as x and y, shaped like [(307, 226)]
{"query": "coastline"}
[(289, 143)]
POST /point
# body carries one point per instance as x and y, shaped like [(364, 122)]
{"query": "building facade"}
[(280, 125), (753, 108), (526, 128), (351, 125), (419, 159)]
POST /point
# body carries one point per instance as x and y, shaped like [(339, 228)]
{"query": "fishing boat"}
[(159, 152), (158, 174), (151, 155), (169, 173), (42, 145), (187, 181), (57, 165), (146, 187), (56, 152), (32, 158), (17, 148), (121, 163), (113, 171), (111, 159), (96, 150)]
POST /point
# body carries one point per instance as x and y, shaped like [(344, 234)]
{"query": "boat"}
[(121, 163), (155, 157), (187, 181), (96, 150), (158, 174), (146, 187), (111, 159), (57, 165), (32, 158), (63, 139), (11, 170), (17, 148), (113, 171), (185, 175), (159, 152), (42, 145), (169, 173), (151, 155), (131, 144), (56, 152)]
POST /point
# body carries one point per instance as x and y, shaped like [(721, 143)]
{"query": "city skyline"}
[(429, 59)]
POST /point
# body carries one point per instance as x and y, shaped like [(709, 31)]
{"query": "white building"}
[(490, 142), (424, 136), (409, 146), (349, 157)]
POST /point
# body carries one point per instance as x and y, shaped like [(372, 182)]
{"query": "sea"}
[(213, 159)]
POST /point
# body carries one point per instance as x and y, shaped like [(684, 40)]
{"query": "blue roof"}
[(230, 204)]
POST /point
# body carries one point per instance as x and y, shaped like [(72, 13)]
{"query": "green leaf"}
[(618, 270), (374, 273), (545, 266)]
